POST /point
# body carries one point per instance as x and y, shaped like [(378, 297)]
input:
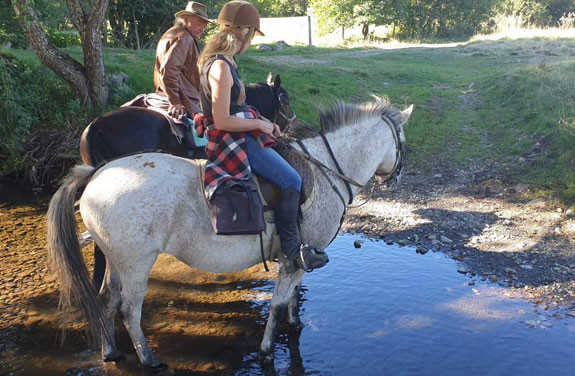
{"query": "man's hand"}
[(176, 110)]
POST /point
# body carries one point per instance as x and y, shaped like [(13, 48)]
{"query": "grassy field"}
[(510, 102)]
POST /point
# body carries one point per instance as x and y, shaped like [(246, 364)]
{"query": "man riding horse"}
[(176, 72)]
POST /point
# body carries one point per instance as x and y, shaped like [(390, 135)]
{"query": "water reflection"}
[(374, 310)]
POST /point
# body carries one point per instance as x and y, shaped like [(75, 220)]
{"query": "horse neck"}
[(357, 148), (262, 97)]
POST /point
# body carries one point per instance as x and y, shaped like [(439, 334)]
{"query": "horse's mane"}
[(341, 114)]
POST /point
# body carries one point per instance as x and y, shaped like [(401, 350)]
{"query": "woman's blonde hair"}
[(226, 42)]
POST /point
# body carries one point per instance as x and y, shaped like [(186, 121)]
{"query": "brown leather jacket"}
[(175, 72)]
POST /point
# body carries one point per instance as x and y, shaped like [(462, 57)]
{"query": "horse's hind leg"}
[(110, 294), (134, 282), (283, 293)]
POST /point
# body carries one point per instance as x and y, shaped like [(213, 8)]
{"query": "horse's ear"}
[(407, 113), (277, 81), (270, 79)]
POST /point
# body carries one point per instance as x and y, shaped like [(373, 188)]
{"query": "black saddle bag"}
[(236, 208)]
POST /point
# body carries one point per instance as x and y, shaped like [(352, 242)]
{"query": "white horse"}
[(159, 198)]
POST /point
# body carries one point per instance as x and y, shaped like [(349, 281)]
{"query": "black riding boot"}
[(303, 255)]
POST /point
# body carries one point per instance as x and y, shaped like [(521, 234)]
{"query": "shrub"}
[(63, 39)]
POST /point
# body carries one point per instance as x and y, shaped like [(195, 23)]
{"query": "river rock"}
[(445, 239), (462, 270), (421, 250), (357, 244)]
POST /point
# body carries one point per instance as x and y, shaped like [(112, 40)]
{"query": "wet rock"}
[(571, 313), (431, 237), (435, 242), (389, 242), (526, 267), (415, 238), (510, 271), (462, 270), (402, 242), (493, 278), (421, 250), (357, 244), (471, 283)]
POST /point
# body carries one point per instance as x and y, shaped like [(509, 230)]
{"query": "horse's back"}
[(153, 202), (127, 130)]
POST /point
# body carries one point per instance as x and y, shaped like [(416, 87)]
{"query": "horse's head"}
[(284, 113), (389, 171)]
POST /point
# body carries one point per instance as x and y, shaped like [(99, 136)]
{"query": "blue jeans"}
[(267, 163)]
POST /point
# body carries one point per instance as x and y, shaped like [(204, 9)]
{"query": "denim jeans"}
[(267, 163)]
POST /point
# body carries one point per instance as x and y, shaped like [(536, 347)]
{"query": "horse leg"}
[(293, 309), (134, 284), (99, 267), (283, 292), (110, 294)]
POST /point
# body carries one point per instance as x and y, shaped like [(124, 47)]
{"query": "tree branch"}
[(62, 64), (77, 14)]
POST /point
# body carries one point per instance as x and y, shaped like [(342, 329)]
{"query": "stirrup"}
[(311, 258)]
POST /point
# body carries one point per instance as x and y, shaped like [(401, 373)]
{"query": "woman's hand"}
[(269, 128)]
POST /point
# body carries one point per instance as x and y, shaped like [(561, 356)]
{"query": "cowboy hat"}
[(194, 9)]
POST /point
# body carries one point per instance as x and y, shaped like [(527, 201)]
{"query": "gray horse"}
[(158, 198)]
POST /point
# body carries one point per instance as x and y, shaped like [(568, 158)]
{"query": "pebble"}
[(401, 242), (510, 271), (493, 278), (445, 239), (526, 267), (357, 244), (435, 242), (462, 270)]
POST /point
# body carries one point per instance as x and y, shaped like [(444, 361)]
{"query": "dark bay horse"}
[(128, 130)]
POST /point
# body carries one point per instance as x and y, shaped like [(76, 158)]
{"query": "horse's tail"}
[(66, 257)]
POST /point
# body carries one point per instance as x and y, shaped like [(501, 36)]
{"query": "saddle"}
[(180, 127), (269, 194)]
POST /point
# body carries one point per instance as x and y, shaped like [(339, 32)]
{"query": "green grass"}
[(511, 101)]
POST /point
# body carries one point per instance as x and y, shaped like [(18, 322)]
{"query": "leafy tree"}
[(88, 81), (281, 8)]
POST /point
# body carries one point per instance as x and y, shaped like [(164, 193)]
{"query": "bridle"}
[(279, 112), (394, 174)]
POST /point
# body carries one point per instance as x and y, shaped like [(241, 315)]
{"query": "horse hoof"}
[(267, 359), (297, 326), (118, 359), (160, 369)]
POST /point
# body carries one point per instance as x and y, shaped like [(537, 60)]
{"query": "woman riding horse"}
[(230, 122)]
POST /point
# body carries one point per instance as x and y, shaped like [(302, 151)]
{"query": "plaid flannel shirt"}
[(226, 151)]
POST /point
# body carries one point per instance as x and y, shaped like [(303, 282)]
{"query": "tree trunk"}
[(343, 33), (88, 82), (136, 29), (365, 30)]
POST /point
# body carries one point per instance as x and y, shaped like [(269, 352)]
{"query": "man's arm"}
[(172, 75)]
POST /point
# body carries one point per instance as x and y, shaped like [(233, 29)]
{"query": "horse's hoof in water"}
[(119, 359), (296, 326), (160, 369), (267, 359)]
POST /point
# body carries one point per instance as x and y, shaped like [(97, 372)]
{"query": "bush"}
[(38, 121), (63, 39), (17, 40)]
